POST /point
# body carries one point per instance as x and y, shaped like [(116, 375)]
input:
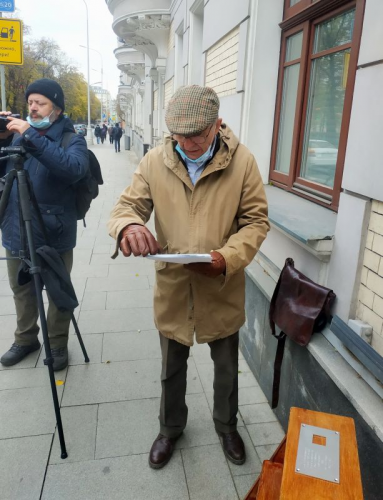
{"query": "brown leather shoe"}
[(161, 451), (233, 447)]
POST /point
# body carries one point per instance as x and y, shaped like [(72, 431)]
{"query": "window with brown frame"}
[(316, 80)]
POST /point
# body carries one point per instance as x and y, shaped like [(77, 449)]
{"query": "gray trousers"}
[(27, 312), (173, 410)]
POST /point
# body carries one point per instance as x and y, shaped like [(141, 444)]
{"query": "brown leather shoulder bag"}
[(299, 307)]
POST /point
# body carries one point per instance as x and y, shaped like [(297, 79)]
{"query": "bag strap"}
[(281, 340), (289, 262), (277, 369), (66, 138)]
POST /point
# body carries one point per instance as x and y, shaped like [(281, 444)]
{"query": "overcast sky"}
[(65, 22)]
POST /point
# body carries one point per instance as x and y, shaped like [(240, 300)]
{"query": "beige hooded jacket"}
[(225, 211)]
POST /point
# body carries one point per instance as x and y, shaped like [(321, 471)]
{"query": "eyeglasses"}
[(197, 139)]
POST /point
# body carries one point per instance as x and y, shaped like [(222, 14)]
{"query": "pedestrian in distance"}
[(208, 197), (103, 133), (53, 171), (117, 134), (110, 133), (97, 133)]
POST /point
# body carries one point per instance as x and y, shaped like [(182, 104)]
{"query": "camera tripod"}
[(28, 255)]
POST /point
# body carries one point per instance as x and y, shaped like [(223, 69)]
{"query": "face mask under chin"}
[(200, 160), (41, 124)]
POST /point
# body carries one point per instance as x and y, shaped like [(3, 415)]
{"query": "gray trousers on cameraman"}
[(173, 410), (27, 311)]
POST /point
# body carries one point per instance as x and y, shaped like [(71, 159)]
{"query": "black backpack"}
[(86, 188), (118, 134)]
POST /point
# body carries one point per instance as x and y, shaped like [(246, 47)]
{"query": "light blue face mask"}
[(40, 124), (199, 161)]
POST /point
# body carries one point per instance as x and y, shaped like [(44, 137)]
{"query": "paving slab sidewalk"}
[(110, 406)]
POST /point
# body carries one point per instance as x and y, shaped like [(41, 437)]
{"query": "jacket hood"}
[(228, 146)]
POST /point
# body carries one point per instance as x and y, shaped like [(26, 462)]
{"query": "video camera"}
[(4, 122)]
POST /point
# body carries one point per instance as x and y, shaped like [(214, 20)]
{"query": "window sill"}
[(309, 225)]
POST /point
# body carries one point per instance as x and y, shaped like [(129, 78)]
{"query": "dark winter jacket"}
[(53, 172), (117, 132)]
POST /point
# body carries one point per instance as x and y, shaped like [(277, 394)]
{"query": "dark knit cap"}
[(48, 88)]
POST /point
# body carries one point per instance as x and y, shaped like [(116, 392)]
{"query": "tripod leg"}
[(24, 200), (80, 339), (49, 360), (6, 193)]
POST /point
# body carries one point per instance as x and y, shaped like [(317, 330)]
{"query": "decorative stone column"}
[(161, 99)]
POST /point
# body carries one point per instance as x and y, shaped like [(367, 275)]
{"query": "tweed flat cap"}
[(191, 110)]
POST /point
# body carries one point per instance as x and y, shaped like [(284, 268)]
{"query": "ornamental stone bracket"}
[(141, 90), (141, 44), (143, 25), (135, 71), (131, 62), (151, 27), (147, 33), (126, 99)]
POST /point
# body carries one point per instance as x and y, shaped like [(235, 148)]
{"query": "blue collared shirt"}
[(194, 169)]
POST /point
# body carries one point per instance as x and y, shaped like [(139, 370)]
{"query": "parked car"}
[(320, 162), (80, 129), (321, 153)]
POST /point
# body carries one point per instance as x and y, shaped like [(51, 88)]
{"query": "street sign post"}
[(11, 41), (7, 5)]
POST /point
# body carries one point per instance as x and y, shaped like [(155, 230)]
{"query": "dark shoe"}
[(161, 451), (60, 358), (233, 447), (18, 352)]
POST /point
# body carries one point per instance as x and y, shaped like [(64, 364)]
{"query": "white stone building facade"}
[(300, 83)]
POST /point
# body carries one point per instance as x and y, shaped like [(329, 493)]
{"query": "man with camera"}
[(53, 171)]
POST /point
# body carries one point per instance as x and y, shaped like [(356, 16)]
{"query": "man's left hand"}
[(213, 269), (17, 125)]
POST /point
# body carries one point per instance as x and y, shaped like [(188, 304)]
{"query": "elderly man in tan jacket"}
[(208, 197)]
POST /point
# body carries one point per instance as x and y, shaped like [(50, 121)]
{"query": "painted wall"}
[(229, 106), (221, 17), (264, 40), (364, 161)]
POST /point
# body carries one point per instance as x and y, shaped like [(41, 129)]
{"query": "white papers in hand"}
[(181, 258)]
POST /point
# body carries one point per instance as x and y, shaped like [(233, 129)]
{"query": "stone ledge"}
[(264, 274), (364, 399)]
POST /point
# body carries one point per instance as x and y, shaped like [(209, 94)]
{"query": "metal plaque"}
[(318, 453)]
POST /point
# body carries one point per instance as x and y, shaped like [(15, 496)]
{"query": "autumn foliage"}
[(44, 59)]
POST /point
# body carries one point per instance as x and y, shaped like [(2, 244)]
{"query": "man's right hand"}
[(138, 240), (6, 133)]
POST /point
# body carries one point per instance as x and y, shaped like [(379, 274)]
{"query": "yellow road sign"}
[(11, 41)]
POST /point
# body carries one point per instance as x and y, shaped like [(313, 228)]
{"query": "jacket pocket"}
[(159, 264), (52, 217)]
